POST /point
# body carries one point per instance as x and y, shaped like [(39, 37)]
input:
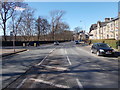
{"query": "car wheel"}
[(98, 53), (92, 51)]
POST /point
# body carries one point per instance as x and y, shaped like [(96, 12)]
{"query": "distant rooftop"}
[(107, 20)]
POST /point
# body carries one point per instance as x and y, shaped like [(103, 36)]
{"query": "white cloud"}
[(19, 9)]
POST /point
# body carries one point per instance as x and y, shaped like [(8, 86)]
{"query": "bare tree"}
[(6, 11), (67, 35), (45, 27), (56, 18), (77, 29), (38, 27), (27, 26), (42, 27), (15, 23), (62, 28)]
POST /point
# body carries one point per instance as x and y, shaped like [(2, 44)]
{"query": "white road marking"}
[(79, 84), (37, 64), (50, 83), (42, 60), (21, 83), (51, 51), (52, 67), (68, 58), (45, 57)]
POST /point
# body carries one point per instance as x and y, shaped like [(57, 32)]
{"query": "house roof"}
[(93, 27), (103, 24)]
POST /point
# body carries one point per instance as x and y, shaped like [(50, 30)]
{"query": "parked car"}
[(56, 43), (77, 42), (102, 49)]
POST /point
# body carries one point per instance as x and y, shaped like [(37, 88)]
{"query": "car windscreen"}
[(103, 45)]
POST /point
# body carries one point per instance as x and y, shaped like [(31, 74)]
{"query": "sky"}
[(81, 14)]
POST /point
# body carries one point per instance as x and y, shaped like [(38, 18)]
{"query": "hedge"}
[(112, 43), (20, 43)]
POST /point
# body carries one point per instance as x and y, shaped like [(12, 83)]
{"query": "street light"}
[(81, 25), (84, 29), (12, 34), (84, 24), (80, 31)]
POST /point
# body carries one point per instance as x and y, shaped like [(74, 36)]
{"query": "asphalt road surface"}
[(64, 66)]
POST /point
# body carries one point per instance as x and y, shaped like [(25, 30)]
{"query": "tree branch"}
[(10, 15)]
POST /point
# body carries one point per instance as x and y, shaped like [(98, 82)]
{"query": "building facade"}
[(82, 35), (105, 30)]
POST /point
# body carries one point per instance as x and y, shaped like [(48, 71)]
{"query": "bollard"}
[(119, 48), (23, 44), (118, 58), (35, 44)]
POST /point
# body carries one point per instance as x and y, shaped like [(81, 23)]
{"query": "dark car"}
[(56, 43), (77, 42), (102, 49)]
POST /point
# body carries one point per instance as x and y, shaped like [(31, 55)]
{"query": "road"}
[(64, 66)]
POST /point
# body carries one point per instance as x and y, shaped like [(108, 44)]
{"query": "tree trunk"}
[(4, 30)]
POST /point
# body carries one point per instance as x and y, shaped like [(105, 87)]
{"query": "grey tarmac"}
[(64, 66)]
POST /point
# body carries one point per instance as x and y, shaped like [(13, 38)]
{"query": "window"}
[(103, 45), (111, 25)]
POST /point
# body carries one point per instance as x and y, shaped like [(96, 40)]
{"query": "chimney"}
[(112, 18), (107, 19)]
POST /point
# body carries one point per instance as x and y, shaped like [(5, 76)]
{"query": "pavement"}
[(6, 52), (64, 66)]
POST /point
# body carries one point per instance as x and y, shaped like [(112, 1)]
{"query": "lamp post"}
[(81, 25), (84, 25), (84, 29), (81, 32), (12, 34)]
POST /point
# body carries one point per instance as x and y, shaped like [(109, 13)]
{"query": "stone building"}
[(81, 35), (105, 30)]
